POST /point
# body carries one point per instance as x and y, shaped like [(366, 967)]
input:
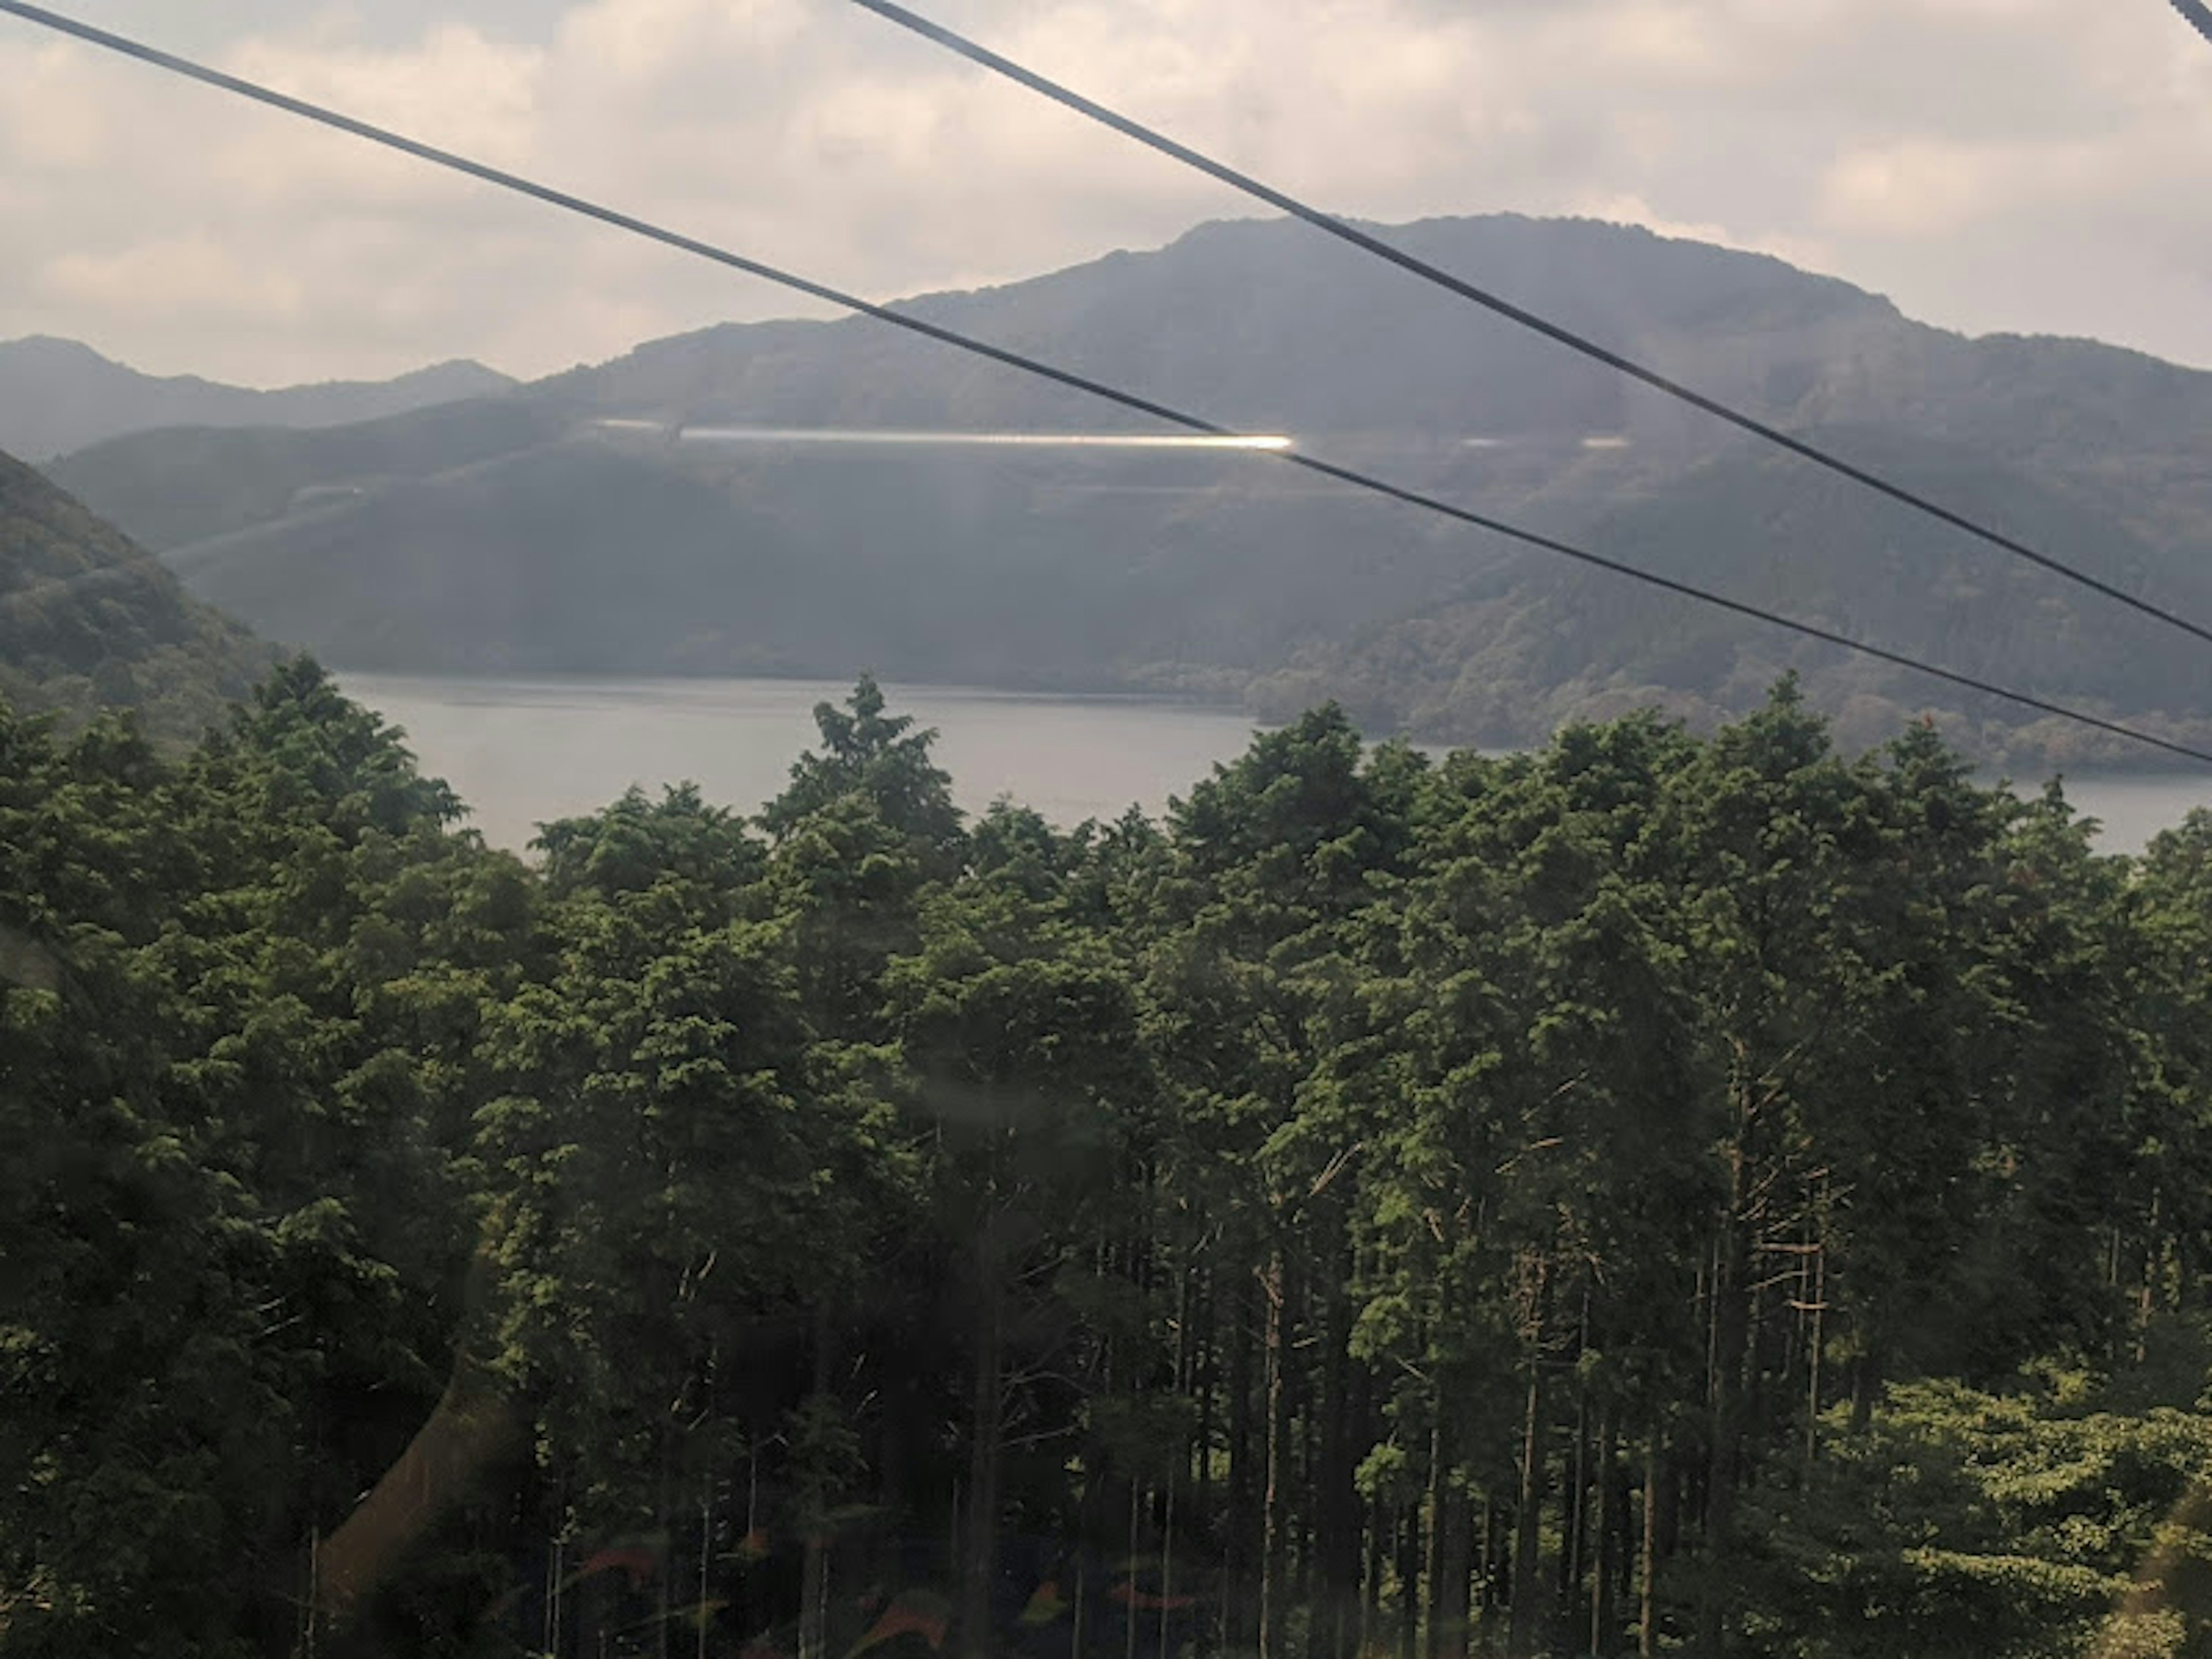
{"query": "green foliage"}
[(871, 755), (231, 1219), (1961, 1521), (1361, 1203)]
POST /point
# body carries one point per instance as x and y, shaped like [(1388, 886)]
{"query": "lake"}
[(522, 750)]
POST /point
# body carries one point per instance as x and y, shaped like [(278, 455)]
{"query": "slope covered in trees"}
[(487, 538), (1652, 1194), (1513, 652), (88, 620)]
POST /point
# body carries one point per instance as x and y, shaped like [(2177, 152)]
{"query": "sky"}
[(2027, 165)]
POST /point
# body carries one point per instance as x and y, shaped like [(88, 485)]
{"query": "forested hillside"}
[(1657, 1193), (88, 620), (1508, 655), (524, 533)]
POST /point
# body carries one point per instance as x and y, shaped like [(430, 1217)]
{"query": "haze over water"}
[(522, 751)]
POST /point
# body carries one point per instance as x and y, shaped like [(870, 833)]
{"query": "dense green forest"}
[(1656, 1194)]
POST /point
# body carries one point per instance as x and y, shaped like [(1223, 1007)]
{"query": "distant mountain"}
[(88, 620), (57, 395), (671, 510), (1538, 641)]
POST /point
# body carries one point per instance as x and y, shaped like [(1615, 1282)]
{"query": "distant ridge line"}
[(127, 47), (1154, 139)]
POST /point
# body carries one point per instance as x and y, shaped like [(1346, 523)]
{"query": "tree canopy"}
[(1651, 1194)]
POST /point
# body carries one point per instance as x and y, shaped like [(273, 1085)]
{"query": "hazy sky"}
[(2041, 166)]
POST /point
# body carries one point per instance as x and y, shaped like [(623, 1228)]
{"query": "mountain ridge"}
[(1088, 569), (59, 395)]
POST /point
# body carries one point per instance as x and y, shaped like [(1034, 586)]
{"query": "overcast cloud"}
[(2042, 166)]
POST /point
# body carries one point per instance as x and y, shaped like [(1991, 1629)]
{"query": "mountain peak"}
[(52, 348), (405, 544)]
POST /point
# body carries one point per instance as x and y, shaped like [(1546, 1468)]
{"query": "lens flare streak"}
[(1256, 443)]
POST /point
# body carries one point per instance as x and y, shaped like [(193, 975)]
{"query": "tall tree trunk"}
[(979, 1549), (1240, 1544), (1130, 1621), (1814, 1346), (706, 1562), (1527, 1611), (1186, 1365), (1647, 1615), (1456, 1557), (1724, 1387), (1451, 1544), (814, 1563), (1275, 1529), (1370, 1588), (1409, 1581), (1574, 1506), (1206, 1362), (556, 1569), (1484, 1595), (1343, 1406), (1433, 1573), (1304, 1483), (1167, 1569), (1604, 1625), (665, 1585), (597, 1614), (1626, 1528)]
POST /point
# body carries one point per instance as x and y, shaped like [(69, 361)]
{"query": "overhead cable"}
[(1367, 242), (1028, 365), (2196, 15)]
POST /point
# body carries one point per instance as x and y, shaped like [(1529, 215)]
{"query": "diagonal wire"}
[(329, 118), (2196, 15), (1343, 231)]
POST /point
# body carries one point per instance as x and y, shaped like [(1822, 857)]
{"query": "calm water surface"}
[(522, 751)]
